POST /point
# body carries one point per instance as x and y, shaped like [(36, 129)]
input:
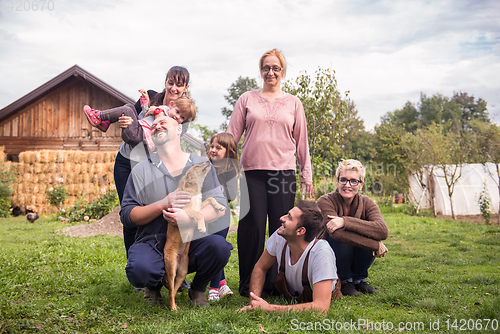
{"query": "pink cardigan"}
[(274, 132)]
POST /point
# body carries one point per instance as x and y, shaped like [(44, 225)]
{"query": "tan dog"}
[(176, 251)]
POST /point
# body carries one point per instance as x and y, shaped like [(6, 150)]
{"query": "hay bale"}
[(79, 157), (37, 168), (44, 156), (27, 177), (72, 191), (68, 167), (80, 188), (23, 157), (52, 167), (89, 188), (110, 178), (35, 178), (110, 167), (60, 156), (100, 169), (39, 199), (20, 168), (99, 157), (92, 158), (87, 178), (84, 168), (77, 169)]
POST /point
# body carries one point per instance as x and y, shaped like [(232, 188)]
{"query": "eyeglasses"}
[(353, 182), (275, 69)]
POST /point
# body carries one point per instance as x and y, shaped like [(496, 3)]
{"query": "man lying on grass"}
[(307, 269)]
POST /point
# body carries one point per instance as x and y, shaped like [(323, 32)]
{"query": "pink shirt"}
[(274, 132)]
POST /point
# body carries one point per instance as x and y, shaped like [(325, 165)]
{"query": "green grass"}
[(436, 270)]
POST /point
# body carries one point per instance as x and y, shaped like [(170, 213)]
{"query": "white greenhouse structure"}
[(467, 190)]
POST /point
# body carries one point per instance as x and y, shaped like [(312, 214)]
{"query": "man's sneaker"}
[(151, 296), (363, 287), (213, 295), (224, 291), (348, 289)]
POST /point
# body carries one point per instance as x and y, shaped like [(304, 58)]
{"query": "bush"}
[(98, 208), (56, 194), (7, 179)]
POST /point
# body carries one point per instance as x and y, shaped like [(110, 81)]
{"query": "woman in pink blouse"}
[(275, 130)]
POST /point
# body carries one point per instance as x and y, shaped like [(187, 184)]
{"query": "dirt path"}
[(109, 224)]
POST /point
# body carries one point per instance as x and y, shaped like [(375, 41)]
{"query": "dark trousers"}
[(270, 195), (352, 262), (133, 134), (214, 282), (207, 257), (122, 169)]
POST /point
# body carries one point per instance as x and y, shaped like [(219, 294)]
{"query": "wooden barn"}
[(51, 117)]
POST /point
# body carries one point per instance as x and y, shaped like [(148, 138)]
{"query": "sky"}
[(384, 53)]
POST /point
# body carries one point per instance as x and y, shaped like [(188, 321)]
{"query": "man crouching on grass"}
[(307, 269)]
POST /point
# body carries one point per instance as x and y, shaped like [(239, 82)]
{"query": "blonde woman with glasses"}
[(275, 131), (355, 228)]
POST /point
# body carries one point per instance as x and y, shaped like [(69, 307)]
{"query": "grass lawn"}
[(439, 276)]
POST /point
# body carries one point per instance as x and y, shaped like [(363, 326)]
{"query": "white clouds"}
[(384, 52)]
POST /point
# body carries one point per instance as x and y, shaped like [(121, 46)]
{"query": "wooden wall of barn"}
[(56, 121)]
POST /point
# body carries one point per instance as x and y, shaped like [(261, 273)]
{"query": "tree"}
[(357, 143), (392, 157), (423, 156), (240, 86), (453, 114), (324, 109)]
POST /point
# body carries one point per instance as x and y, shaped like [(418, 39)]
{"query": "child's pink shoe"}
[(94, 118)]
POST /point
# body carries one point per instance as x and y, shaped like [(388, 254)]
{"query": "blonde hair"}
[(186, 106), (277, 53), (351, 164)]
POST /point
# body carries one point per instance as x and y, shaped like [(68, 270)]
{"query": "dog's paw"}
[(219, 207), (202, 229)]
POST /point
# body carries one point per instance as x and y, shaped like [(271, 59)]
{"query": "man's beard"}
[(159, 141)]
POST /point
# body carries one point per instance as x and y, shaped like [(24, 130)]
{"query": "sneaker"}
[(213, 295), (94, 118), (151, 296), (348, 289), (363, 287), (224, 291)]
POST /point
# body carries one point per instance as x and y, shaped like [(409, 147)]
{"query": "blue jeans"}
[(352, 262), (214, 283), (146, 267)]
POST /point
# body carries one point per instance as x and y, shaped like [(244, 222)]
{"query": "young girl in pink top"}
[(275, 130)]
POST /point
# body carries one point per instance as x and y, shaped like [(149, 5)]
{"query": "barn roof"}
[(75, 70)]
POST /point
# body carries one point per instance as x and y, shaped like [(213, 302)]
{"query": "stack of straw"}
[(84, 174)]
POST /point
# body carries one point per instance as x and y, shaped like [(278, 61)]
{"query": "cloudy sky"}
[(384, 52)]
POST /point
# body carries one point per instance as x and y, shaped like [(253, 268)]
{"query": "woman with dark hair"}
[(275, 130)]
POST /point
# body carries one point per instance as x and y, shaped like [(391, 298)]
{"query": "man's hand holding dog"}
[(177, 217), (177, 199), (173, 212)]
